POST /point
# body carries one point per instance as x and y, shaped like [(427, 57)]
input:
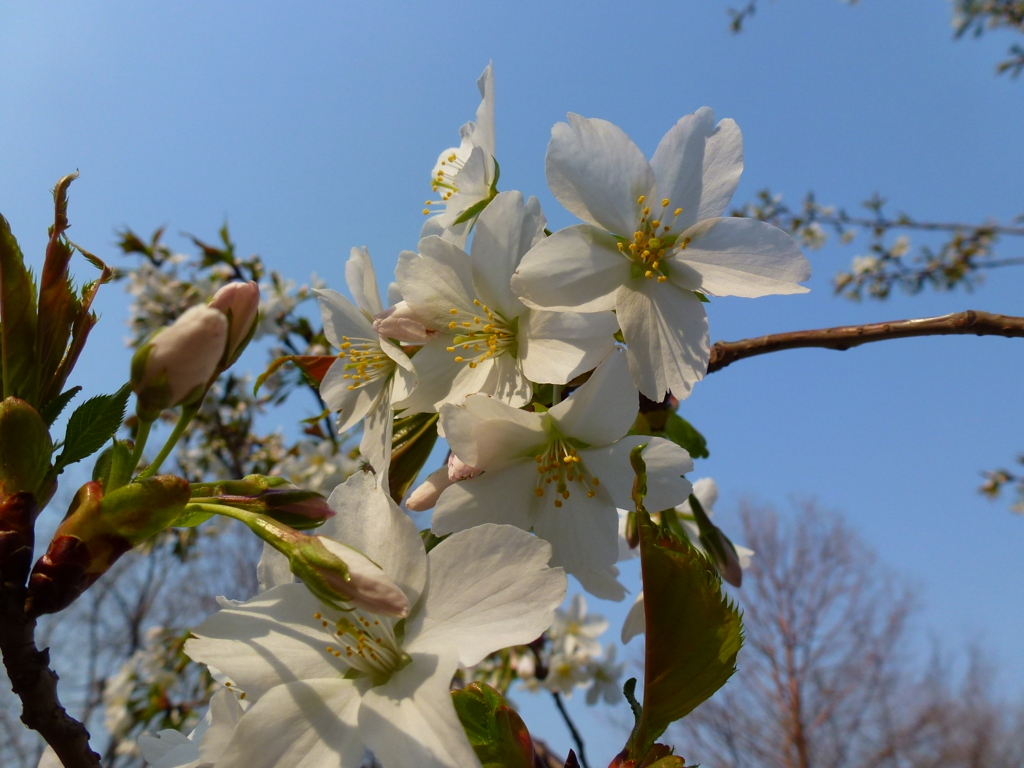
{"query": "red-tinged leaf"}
[(17, 321), (83, 324), (58, 305), (693, 632), (314, 366), (495, 730)]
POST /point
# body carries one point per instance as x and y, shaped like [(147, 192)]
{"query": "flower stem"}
[(140, 444), (572, 728), (187, 414)]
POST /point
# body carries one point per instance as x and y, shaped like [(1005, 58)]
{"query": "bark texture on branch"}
[(970, 322), (28, 668)]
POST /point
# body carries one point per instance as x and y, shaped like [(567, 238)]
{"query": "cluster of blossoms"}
[(528, 352)]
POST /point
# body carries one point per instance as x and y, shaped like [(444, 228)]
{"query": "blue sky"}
[(312, 127)]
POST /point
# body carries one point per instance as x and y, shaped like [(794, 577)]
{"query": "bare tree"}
[(825, 679)]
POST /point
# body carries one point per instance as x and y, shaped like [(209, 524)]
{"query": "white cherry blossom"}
[(372, 374), (605, 674), (654, 235), (464, 177), (559, 473), (487, 340), (203, 747), (327, 684), (574, 630)]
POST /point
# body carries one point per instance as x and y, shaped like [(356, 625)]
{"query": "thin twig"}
[(970, 322), (572, 727)]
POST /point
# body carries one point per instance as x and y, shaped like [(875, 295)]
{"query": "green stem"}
[(140, 444), (187, 414), (556, 394)]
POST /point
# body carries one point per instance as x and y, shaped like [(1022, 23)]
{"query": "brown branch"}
[(970, 322), (32, 680)]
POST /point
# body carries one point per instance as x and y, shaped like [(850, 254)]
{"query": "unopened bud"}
[(401, 323), (426, 493), (274, 497), (717, 545), (240, 303), (176, 365), (97, 530), (460, 470), (632, 531), (330, 570), (25, 448)]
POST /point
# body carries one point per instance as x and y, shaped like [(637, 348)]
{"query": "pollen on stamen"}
[(459, 359), (677, 211), (538, 492), (453, 311), (665, 202), (640, 200), (558, 502)]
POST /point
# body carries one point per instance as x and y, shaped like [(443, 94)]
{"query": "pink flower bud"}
[(367, 587), (426, 494), (178, 363), (240, 303), (400, 323), (460, 470)]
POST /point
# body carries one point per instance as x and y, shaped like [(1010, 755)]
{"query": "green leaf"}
[(414, 438), (53, 409), (17, 321), (682, 433), (495, 730), (92, 424), (693, 632)]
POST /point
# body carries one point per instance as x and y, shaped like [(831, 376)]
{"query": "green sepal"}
[(91, 425), (430, 539), (497, 175), (414, 438), (18, 321), (636, 269), (25, 449), (143, 508), (472, 212), (495, 730), (121, 466), (704, 299)]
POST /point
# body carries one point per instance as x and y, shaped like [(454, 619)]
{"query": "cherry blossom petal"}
[(436, 371), (666, 463), (378, 429), (224, 714), (723, 166), (500, 496), (411, 721), (483, 133), (678, 165), (488, 434), (666, 332), (436, 280), (507, 382), (577, 269), (555, 347), (603, 583), (636, 622), (351, 405), (582, 531), (604, 408), (506, 229), (596, 171), (249, 642), (369, 521), (490, 588), (302, 724), (739, 257), (362, 282), (342, 318)]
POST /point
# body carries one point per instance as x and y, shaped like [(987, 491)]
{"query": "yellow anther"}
[(591, 494), (450, 349), (538, 458), (632, 247), (640, 200), (621, 247), (453, 311), (241, 695), (477, 320), (595, 481), (558, 502), (647, 211), (466, 324), (426, 211), (665, 202), (567, 459), (654, 265), (316, 616), (476, 302), (538, 492), (459, 359), (677, 211), (662, 278), (472, 365), (656, 223), (452, 326)]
